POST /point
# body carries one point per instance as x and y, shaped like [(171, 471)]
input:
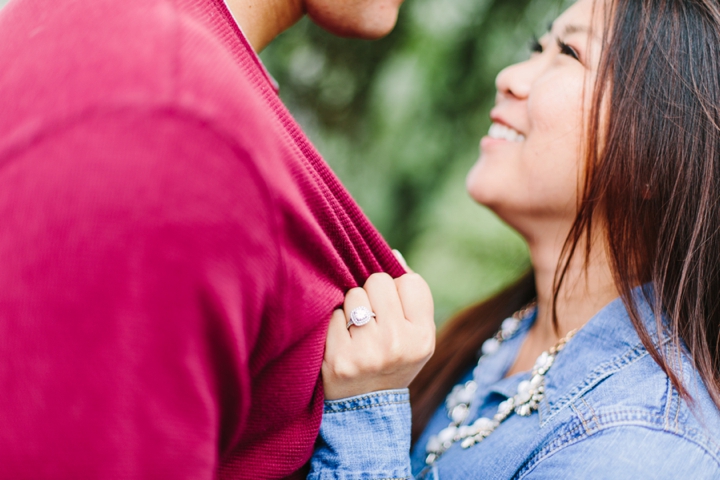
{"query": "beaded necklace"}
[(524, 402)]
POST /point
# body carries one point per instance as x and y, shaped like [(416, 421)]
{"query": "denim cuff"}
[(364, 437)]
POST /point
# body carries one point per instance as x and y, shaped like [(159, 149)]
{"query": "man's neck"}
[(263, 20)]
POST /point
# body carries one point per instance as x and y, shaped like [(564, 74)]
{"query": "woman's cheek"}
[(556, 104)]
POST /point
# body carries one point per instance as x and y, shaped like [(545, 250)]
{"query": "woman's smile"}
[(500, 133)]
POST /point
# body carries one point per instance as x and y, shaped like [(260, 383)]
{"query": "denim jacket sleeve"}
[(364, 437)]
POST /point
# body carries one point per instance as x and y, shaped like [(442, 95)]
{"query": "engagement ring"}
[(359, 316)]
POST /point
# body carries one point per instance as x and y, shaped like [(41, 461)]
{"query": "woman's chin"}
[(482, 196), (479, 184)]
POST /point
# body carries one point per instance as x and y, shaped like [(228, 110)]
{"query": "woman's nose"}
[(515, 80)]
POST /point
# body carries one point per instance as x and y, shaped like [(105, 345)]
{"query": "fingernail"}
[(400, 258)]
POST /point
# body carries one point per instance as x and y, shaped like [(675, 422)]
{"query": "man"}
[(172, 246)]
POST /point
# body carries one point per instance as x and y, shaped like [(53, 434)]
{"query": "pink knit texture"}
[(171, 248)]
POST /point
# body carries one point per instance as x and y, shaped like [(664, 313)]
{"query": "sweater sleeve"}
[(138, 252)]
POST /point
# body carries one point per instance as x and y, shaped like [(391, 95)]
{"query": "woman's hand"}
[(389, 350)]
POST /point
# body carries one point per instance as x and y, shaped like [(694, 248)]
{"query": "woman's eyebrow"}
[(573, 28), (570, 29)]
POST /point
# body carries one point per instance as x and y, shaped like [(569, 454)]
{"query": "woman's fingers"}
[(337, 336), (338, 368), (416, 299), (387, 351), (417, 303), (383, 296)]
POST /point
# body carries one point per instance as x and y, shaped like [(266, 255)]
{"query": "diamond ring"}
[(359, 316)]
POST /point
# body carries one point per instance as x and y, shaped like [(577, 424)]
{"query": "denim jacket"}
[(609, 412)]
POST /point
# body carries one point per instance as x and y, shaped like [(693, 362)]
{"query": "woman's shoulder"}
[(642, 396), (637, 390), (637, 417), (608, 392), (625, 451)]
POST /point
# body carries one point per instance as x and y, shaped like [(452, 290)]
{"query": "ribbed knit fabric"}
[(171, 248)]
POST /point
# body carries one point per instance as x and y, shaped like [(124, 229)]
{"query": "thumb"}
[(402, 261)]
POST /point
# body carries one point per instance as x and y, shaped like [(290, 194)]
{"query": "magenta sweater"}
[(171, 248)]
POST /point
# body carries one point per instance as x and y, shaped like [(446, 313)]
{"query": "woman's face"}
[(530, 162)]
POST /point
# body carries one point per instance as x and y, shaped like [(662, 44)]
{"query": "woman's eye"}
[(566, 49), (535, 46)]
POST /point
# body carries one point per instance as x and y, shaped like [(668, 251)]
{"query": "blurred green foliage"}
[(399, 120)]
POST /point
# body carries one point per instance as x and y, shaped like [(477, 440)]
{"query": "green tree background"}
[(399, 120)]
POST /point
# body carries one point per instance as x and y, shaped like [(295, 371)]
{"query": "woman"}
[(604, 154)]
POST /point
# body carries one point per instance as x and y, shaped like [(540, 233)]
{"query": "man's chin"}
[(367, 26)]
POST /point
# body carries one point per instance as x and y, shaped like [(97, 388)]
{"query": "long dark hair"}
[(652, 181)]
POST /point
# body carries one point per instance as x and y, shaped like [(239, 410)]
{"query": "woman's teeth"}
[(503, 132)]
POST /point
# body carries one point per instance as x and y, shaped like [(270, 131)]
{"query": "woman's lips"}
[(501, 134), (501, 131)]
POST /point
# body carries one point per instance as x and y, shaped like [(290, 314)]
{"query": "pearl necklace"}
[(524, 402)]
